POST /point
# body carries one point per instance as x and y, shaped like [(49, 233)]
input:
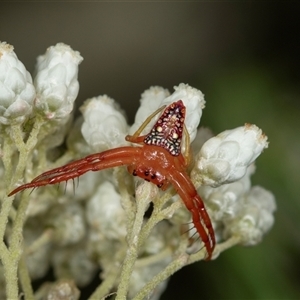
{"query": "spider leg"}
[(200, 217), (195, 205), (136, 138), (108, 154), (187, 143), (95, 162)]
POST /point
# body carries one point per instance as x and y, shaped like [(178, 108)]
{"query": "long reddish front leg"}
[(95, 162), (195, 205)]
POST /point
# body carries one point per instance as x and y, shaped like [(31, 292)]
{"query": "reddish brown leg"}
[(200, 216), (112, 154), (95, 162), (195, 205)]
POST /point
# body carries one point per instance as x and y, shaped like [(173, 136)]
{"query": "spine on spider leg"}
[(195, 205), (95, 162), (112, 154)]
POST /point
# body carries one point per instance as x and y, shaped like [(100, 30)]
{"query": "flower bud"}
[(151, 100), (105, 214), (37, 261), (224, 202), (69, 224), (56, 81), (64, 289), (255, 219), (74, 262), (104, 125), (16, 89), (225, 157)]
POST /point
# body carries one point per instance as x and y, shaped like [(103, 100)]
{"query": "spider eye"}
[(159, 129), (175, 136)]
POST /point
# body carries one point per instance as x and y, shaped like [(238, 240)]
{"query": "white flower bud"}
[(82, 267), (224, 202), (104, 125), (68, 222), (56, 81), (255, 218), (64, 289), (225, 157), (38, 261), (73, 262), (150, 101), (16, 89), (203, 134), (75, 141), (105, 214)]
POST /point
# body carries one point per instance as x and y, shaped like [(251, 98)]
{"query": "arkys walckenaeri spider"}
[(158, 159)]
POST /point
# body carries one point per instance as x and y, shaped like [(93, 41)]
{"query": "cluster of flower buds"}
[(53, 92), (82, 232)]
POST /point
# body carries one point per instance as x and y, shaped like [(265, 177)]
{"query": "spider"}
[(157, 159)]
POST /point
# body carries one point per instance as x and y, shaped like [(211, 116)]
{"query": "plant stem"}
[(10, 259), (10, 267), (234, 240), (42, 240), (143, 198), (25, 280), (157, 215), (174, 266), (4, 212)]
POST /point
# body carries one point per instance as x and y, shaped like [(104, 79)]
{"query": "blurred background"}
[(243, 56)]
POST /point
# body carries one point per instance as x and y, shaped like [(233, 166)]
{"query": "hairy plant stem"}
[(5, 208), (174, 266), (10, 266), (10, 256), (143, 197), (158, 215), (182, 260), (25, 279), (127, 202), (42, 240)]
